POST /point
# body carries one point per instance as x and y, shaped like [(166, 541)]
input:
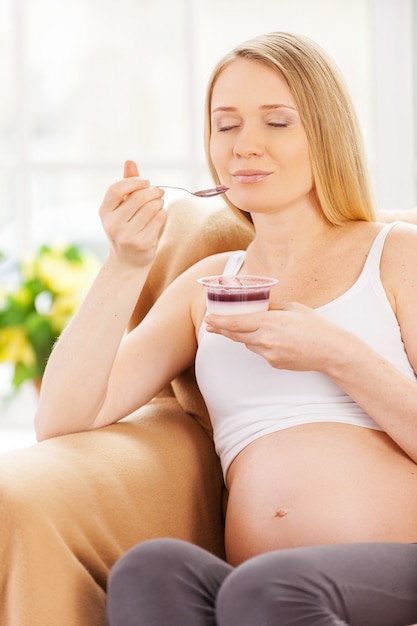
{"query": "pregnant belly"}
[(319, 483)]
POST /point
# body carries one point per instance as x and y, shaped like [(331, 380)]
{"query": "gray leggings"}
[(167, 582)]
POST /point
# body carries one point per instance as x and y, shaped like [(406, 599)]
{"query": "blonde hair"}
[(337, 156)]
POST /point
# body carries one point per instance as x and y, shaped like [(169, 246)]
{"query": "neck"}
[(286, 236)]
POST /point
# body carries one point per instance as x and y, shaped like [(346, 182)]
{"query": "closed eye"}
[(224, 129)]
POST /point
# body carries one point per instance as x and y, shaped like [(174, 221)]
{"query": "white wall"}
[(393, 35), (88, 83)]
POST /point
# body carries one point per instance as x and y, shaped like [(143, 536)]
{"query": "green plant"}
[(49, 289)]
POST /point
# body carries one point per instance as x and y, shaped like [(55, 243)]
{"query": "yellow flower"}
[(62, 275), (15, 347), (52, 285), (22, 296)]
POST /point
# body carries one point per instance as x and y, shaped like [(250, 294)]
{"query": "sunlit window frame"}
[(394, 26)]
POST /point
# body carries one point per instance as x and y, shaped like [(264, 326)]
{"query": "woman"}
[(313, 403)]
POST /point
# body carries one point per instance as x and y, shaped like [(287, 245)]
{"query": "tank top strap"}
[(373, 260), (234, 263)]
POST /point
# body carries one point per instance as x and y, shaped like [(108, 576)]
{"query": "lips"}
[(250, 176)]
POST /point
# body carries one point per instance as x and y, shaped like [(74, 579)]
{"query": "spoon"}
[(203, 193)]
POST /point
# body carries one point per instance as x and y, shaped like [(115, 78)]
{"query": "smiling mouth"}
[(250, 176)]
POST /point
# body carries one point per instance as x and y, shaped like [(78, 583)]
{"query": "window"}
[(92, 82)]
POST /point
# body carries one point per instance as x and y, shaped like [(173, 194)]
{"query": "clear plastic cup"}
[(235, 295)]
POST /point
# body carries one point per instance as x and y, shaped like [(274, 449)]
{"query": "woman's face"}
[(258, 145)]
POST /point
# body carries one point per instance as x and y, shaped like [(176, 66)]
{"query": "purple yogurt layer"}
[(237, 296)]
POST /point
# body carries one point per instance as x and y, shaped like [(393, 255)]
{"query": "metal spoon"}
[(203, 193)]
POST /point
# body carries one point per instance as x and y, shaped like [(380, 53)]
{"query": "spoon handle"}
[(202, 193)]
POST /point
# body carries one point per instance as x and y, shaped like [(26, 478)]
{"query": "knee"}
[(147, 561), (243, 593), (151, 578), (270, 583), (135, 580)]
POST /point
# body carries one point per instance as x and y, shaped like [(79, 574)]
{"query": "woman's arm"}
[(385, 394), (75, 381), (97, 374)]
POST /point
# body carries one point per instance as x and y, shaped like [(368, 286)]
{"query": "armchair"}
[(70, 506)]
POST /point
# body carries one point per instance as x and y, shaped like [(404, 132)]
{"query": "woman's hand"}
[(294, 337), (132, 215)]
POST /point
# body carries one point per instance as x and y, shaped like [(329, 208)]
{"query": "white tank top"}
[(247, 398)]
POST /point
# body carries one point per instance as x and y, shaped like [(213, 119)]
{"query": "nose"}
[(248, 141)]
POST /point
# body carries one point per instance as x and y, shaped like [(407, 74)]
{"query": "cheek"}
[(308, 170), (299, 156), (218, 153)]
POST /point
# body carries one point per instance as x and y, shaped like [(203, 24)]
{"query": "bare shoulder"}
[(402, 229), (401, 245)]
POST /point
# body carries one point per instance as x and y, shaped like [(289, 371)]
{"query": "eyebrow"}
[(264, 107)]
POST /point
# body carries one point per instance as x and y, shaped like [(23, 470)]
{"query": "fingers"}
[(130, 169), (121, 191), (132, 215), (234, 324)]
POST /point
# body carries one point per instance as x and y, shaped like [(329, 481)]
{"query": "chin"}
[(244, 202)]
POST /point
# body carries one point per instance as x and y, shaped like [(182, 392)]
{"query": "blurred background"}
[(87, 84)]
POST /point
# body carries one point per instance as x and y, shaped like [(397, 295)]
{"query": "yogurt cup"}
[(236, 295)]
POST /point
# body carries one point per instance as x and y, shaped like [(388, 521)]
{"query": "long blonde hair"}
[(340, 175)]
